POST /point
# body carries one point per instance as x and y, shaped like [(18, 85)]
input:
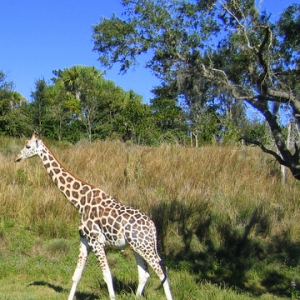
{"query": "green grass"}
[(227, 227), (36, 268)]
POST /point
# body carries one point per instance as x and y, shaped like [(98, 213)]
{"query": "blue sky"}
[(38, 37)]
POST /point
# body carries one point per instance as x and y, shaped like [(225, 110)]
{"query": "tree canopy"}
[(216, 52), (82, 104), (13, 119)]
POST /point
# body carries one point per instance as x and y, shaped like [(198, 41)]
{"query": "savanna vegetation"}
[(228, 226)]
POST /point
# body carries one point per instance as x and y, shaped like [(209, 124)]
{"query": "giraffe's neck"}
[(75, 190)]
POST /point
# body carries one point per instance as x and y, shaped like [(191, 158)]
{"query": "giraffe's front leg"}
[(98, 249), (83, 255)]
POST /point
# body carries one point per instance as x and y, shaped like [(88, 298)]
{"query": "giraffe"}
[(104, 222)]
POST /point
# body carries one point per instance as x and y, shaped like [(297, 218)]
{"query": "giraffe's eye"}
[(27, 146)]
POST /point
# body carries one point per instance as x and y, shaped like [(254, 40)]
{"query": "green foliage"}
[(118, 33), (13, 118), (288, 26), (169, 118), (135, 122), (255, 131)]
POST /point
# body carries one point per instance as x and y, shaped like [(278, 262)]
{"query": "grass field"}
[(228, 228)]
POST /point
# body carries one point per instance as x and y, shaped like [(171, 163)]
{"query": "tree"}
[(169, 118), (135, 121), (113, 119), (97, 104), (60, 118), (81, 86), (4, 84), (40, 105), (213, 50), (5, 90), (14, 120)]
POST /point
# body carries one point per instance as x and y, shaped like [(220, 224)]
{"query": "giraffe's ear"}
[(35, 135)]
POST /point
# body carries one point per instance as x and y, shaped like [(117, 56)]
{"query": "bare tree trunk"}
[(289, 142), (196, 139)]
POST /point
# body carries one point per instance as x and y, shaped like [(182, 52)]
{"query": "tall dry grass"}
[(199, 198), (222, 214)]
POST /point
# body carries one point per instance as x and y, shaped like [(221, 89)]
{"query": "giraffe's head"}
[(32, 147)]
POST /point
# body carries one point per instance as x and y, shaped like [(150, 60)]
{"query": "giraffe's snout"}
[(18, 158)]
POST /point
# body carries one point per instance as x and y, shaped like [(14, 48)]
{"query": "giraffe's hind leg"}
[(161, 272), (143, 274), (155, 262), (83, 255)]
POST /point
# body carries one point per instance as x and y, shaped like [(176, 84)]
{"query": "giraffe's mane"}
[(63, 167)]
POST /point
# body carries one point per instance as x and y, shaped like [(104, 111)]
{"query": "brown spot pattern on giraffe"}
[(84, 190), (55, 165), (75, 195), (76, 185)]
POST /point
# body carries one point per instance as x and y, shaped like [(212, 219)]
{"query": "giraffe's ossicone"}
[(104, 221)]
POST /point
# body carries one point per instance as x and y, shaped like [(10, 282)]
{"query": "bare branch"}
[(238, 21), (264, 149)]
